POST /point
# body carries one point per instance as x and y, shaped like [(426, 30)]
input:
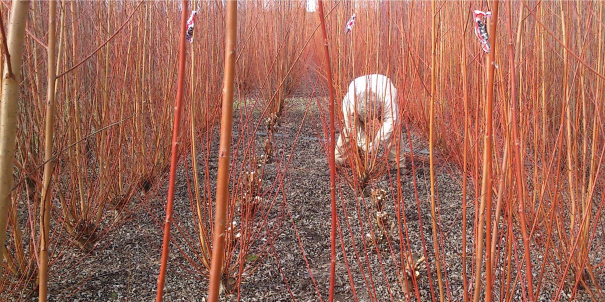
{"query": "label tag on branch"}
[(350, 24), (481, 28), (190, 22)]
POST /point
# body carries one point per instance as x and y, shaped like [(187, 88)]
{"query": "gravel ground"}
[(126, 264)]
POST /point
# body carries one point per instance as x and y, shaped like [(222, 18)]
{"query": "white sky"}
[(311, 5)]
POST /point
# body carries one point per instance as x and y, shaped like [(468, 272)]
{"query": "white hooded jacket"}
[(374, 95)]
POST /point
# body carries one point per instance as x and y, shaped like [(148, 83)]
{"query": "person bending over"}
[(369, 98)]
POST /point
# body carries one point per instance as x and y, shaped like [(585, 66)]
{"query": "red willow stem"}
[(519, 175), (486, 185), (432, 146), (488, 151), (330, 151), (222, 186), (562, 44), (45, 199), (102, 45), (175, 149), (464, 21)]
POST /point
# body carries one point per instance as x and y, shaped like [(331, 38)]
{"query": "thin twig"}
[(102, 45), (54, 157), (31, 35)]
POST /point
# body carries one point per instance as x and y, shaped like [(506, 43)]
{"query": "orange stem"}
[(330, 152), (222, 187), (175, 149), (517, 154)]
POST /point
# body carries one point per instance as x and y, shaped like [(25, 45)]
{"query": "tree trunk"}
[(8, 108)]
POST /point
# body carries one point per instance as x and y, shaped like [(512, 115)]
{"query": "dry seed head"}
[(268, 148), (413, 262), (378, 196)]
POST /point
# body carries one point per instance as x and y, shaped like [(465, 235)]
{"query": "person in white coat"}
[(369, 97)]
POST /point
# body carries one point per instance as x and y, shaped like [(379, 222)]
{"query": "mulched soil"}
[(126, 264)]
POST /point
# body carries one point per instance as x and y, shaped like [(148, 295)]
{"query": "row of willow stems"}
[(526, 206), (77, 188)]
